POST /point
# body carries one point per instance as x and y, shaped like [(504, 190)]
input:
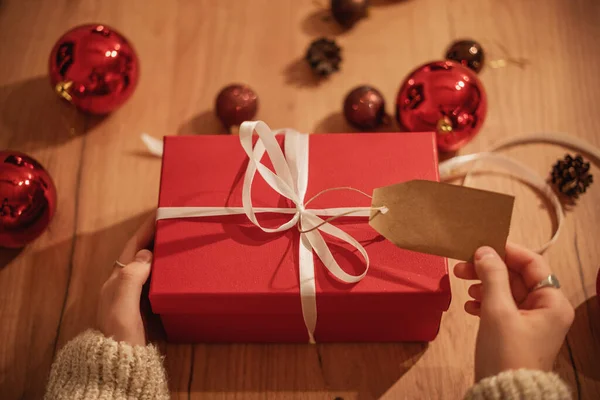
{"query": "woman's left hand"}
[(119, 315)]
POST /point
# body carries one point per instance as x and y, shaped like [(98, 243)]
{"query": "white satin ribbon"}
[(290, 180)]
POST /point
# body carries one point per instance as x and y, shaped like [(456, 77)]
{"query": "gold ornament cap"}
[(444, 125), (62, 89)]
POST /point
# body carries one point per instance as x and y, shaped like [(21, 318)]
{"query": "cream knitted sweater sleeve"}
[(92, 367), (522, 384)]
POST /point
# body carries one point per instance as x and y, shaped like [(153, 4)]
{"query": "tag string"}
[(338, 188), (381, 209)]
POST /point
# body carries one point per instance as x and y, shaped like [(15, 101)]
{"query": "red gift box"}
[(222, 279)]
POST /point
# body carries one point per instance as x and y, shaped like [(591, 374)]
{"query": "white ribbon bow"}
[(290, 180)]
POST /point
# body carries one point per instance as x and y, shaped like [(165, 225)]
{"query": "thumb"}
[(492, 271), (131, 279)]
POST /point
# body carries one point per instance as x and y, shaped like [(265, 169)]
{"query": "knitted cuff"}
[(92, 366), (520, 384)]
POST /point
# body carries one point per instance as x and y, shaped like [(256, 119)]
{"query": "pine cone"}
[(324, 56), (572, 176)]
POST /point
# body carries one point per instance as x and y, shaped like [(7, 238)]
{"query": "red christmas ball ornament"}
[(364, 108), (235, 104), (94, 67), (443, 97), (27, 199), (468, 53)]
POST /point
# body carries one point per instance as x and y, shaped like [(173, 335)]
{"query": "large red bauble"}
[(27, 199), (94, 67), (443, 97)]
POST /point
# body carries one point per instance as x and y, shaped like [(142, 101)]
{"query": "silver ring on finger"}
[(120, 264), (549, 281)]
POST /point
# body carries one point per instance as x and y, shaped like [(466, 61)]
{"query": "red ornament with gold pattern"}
[(94, 67), (27, 199), (444, 97)]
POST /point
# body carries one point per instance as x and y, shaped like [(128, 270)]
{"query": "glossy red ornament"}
[(27, 199), (444, 97), (235, 104), (364, 108), (468, 53), (94, 67)]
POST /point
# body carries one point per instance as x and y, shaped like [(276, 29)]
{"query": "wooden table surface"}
[(188, 51)]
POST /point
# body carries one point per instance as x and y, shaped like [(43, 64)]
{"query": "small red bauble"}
[(94, 67), (469, 53), (364, 108), (235, 104), (27, 199), (443, 97)]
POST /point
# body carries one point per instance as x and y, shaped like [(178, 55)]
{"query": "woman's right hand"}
[(519, 328)]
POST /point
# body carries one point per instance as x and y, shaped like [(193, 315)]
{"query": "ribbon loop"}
[(283, 186)]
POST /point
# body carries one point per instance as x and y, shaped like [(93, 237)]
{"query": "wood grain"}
[(188, 51)]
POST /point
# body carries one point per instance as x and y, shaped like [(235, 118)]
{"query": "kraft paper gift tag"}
[(442, 219)]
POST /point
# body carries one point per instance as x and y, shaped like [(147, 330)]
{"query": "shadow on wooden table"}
[(333, 123), (363, 371), (584, 341), (7, 255), (93, 262), (336, 123), (204, 123), (298, 73), (56, 297), (377, 3), (320, 22), (32, 116), (446, 155)]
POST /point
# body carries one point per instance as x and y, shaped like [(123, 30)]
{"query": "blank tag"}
[(442, 219)]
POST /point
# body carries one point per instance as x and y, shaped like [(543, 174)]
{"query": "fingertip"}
[(465, 270), (484, 252), (473, 307), (138, 270), (144, 256), (458, 268), (475, 291), (511, 246)]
